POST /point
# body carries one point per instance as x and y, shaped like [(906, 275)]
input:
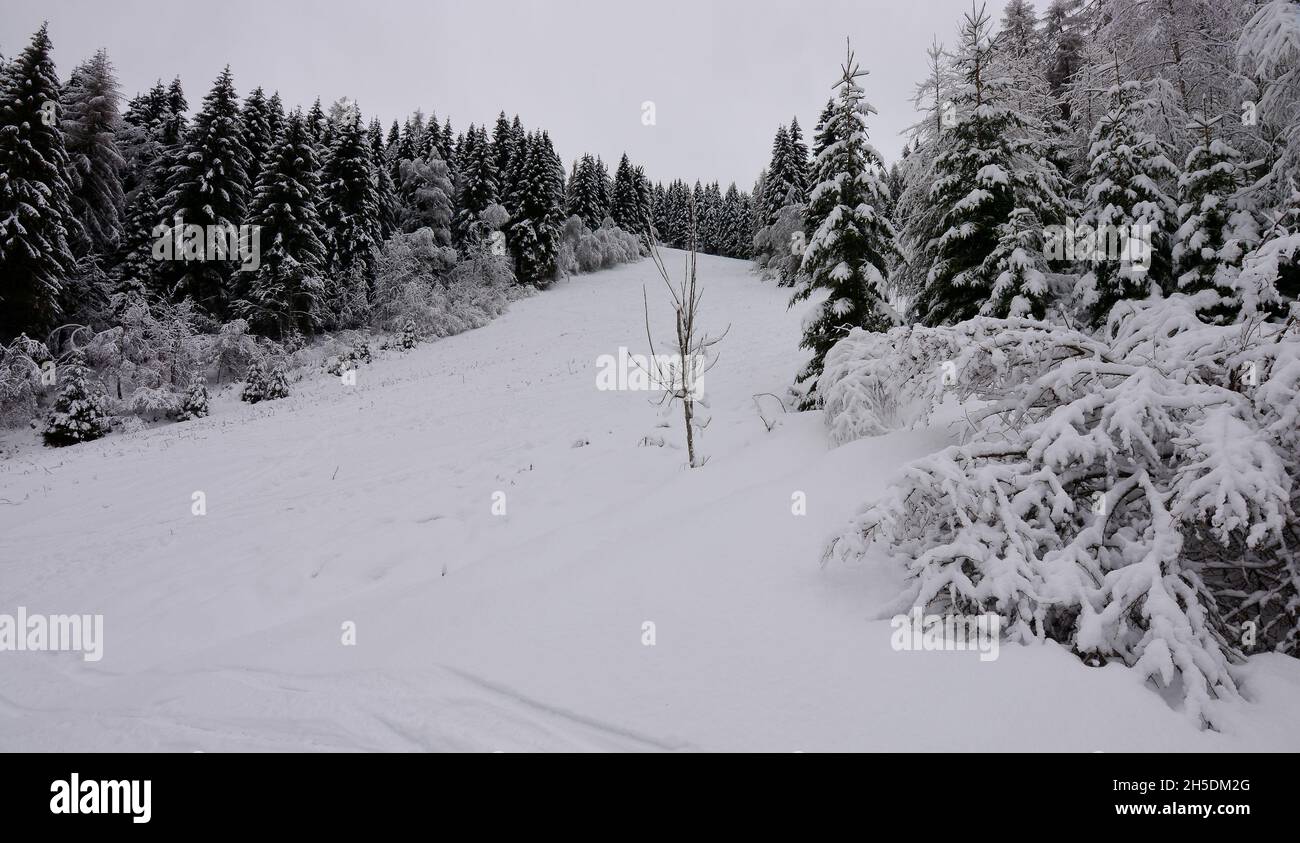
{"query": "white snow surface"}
[(523, 632)]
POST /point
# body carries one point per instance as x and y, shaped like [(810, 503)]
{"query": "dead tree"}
[(680, 374)]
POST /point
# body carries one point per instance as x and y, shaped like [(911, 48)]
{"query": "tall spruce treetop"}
[(847, 254), (625, 207), (584, 199), (91, 122), (989, 167), (208, 186), (258, 135), (286, 293), (798, 159), (35, 199), (350, 202), (478, 183)]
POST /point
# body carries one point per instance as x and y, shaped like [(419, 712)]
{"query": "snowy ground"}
[(373, 504)]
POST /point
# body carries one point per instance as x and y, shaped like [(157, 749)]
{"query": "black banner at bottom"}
[(139, 793)]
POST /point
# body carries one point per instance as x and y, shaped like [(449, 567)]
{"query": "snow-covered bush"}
[(1117, 496), (21, 386), (80, 412), (779, 247), (410, 337), (233, 351), (154, 404), (150, 347), (277, 385)]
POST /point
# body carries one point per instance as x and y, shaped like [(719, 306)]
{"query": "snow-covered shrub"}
[(410, 337), (1117, 496), (151, 346), (154, 404), (233, 351), (21, 386), (195, 404), (583, 250), (80, 412)]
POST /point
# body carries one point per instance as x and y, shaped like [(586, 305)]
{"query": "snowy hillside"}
[(374, 505)]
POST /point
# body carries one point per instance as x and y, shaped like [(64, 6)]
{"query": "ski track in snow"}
[(522, 632)]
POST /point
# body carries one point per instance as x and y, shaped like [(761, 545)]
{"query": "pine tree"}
[(534, 229), (316, 124), (36, 216), (207, 185), (386, 193), (91, 122), (1126, 169), (349, 210), (988, 169), (583, 200), (255, 384), (1213, 233), (847, 254), (478, 184), (195, 404), (275, 118), (258, 135), (80, 412), (286, 293), (625, 208)]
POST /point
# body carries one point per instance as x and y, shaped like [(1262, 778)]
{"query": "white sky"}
[(723, 74)]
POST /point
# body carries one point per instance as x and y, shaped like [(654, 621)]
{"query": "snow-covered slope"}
[(373, 505)]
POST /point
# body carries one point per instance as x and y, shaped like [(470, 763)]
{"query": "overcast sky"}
[(722, 74)]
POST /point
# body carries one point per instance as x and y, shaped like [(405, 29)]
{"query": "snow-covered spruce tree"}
[(478, 185), (207, 185), (255, 384), (386, 193), (846, 254), (1111, 496), (36, 216), (534, 229), (91, 122), (626, 208), (286, 294), (349, 211), (277, 384), (988, 168), (195, 404), (80, 413), (258, 136), (1125, 194), (1214, 234), (583, 200), (410, 337)]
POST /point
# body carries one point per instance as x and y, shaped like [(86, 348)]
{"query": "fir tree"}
[(847, 254), (91, 122), (258, 135), (386, 194), (195, 404), (207, 185), (80, 412), (625, 208), (534, 228), (349, 211), (36, 216), (1213, 233), (478, 185), (255, 384), (1126, 169), (286, 292), (988, 168)]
